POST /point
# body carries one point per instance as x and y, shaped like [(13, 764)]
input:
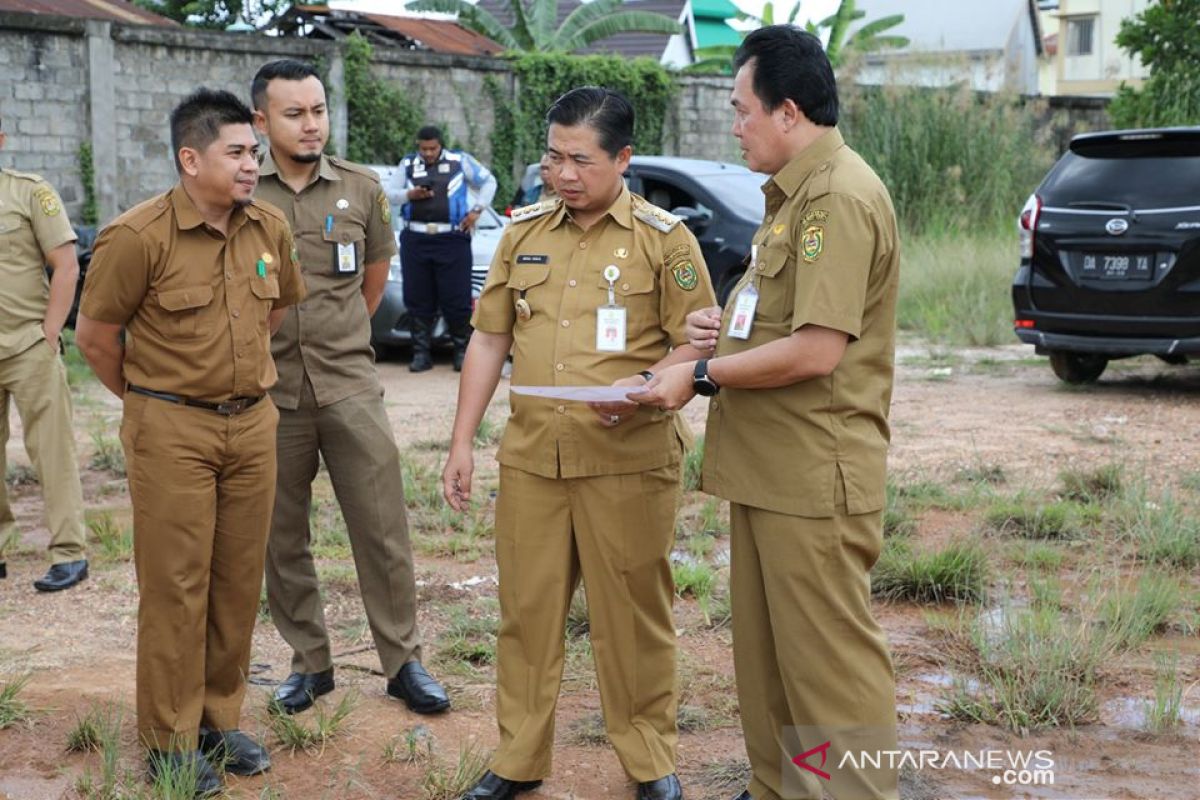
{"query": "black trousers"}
[(437, 275)]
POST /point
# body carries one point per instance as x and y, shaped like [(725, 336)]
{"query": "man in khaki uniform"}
[(34, 233), (330, 400), (797, 432), (589, 288), (197, 277)]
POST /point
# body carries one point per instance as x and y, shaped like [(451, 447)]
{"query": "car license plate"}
[(1118, 267)]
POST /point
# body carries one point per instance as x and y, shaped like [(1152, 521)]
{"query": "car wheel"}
[(1077, 368)]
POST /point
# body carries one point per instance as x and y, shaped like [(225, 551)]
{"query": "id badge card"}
[(345, 264), (742, 318), (610, 329)]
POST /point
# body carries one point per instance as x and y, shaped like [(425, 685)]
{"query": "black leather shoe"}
[(3, 570), (418, 689), (171, 770), (235, 751), (300, 690), (667, 788), (62, 576), (744, 796), (492, 787)]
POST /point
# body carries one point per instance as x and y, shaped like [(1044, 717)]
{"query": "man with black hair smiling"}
[(198, 278), (797, 434), (590, 287)]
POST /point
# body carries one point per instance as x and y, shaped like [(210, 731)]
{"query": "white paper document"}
[(583, 394)]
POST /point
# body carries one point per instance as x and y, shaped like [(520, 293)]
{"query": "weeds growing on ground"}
[(1095, 485), (1132, 617), (470, 639), (955, 573), (112, 541), (107, 454), (693, 464), (295, 735), (449, 781), (1021, 516), (1164, 713), (12, 709)]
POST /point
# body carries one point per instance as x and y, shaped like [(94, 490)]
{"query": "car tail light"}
[(1027, 224), (1023, 323)]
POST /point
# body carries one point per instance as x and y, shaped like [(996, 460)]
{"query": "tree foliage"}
[(1166, 37), (519, 135), (382, 120), (533, 29), (217, 14)]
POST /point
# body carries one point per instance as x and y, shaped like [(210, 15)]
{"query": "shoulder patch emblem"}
[(526, 213), (816, 215), (385, 209), (654, 216), (685, 276), (47, 201), (812, 243)]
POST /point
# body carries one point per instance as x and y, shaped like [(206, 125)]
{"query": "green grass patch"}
[(470, 639), (695, 579), (693, 466), (107, 454), (79, 372), (1023, 517), (1093, 485), (111, 541), (415, 746), (13, 710), (1164, 532), (1040, 556), (955, 573), (1028, 669), (1164, 714), (1132, 617), (898, 519), (578, 624), (295, 734), (20, 475), (449, 780)]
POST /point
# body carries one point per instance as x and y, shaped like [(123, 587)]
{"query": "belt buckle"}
[(228, 408), (431, 227)]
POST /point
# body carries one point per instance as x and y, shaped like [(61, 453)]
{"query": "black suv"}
[(1110, 253)]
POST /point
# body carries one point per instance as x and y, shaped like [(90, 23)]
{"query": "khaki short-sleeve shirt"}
[(827, 254), (342, 222), (544, 287), (194, 302), (32, 223)]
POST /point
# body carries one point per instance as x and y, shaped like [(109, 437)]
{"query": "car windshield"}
[(1144, 182), (741, 191)]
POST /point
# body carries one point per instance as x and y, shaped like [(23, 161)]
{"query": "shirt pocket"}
[(266, 292), (345, 234), (528, 283), (775, 279), (188, 310), (636, 290), (11, 226)]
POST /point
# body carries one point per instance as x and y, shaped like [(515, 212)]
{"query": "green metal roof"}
[(720, 9), (711, 32)]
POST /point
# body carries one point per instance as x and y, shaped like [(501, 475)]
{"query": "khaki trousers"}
[(616, 532), (202, 487), (355, 438), (36, 380), (812, 664)]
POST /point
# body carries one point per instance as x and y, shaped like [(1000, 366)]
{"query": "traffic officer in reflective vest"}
[(590, 288), (197, 277), (330, 401), (431, 186), (35, 233), (797, 434)]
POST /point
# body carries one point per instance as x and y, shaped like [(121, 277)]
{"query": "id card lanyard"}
[(344, 262), (742, 318), (610, 318)]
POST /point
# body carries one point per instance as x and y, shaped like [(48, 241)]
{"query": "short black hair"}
[(197, 121), (605, 111), (430, 133), (287, 69), (790, 64)]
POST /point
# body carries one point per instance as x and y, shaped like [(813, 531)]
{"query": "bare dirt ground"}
[(954, 412)]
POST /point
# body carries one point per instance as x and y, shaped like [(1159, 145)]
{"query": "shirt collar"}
[(325, 170), (187, 216), (621, 210), (795, 172)]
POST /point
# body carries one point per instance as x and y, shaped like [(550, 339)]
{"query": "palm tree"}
[(839, 46), (533, 23)]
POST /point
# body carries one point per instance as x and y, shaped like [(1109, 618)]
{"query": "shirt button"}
[(236, 314), (583, 245), (561, 409), (228, 276), (572, 283), (566, 323), (769, 217), (560, 367), (625, 286), (522, 284), (715, 405), (824, 167)]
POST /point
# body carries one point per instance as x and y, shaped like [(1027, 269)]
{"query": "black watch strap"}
[(702, 382)]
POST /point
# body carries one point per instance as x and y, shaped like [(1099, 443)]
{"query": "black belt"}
[(227, 408)]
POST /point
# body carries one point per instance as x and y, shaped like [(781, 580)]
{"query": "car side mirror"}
[(694, 218)]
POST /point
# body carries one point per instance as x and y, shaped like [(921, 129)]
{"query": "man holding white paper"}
[(590, 288)]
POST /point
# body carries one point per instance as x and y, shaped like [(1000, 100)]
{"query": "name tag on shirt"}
[(742, 318), (346, 263), (610, 329)]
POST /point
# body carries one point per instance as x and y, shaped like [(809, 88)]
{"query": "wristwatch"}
[(702, 384)]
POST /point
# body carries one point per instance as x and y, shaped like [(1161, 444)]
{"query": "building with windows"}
[(1087, 60)]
